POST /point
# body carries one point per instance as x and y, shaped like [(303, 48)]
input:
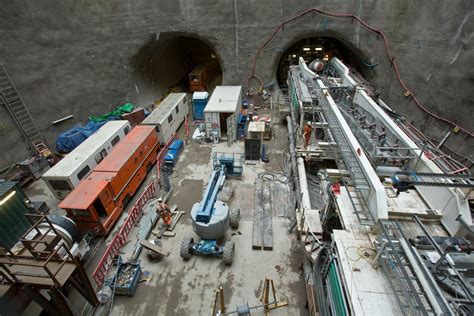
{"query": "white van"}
[(168, 116), (63, 177)]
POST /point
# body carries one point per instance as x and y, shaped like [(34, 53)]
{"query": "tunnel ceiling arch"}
[(166, 63), (316, 47)]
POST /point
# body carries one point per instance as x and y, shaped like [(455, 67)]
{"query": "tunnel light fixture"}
[(5, 199), (294, 56), (318, 49), (306, 49)]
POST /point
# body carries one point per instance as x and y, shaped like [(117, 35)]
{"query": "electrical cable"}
[(387, 52)]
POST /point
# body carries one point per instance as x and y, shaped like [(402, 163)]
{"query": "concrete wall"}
[(77, 57)]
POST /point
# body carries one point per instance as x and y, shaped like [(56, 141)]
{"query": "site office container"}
[(168, 116), (201, 76), (97, 203), (63, 177), (222, 111)]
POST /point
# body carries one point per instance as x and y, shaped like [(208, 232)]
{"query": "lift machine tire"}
[(228, 254), (235, 218), (185, 250)]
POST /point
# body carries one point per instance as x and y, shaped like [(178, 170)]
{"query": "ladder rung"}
[(13, 99), (23, 118), (5, 85), (20, 110), (16, 103), (10, 94), (8, 89), (30, 129)]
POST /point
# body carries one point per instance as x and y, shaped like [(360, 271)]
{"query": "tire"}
[(228, 255), (185, 249), (235, 218)]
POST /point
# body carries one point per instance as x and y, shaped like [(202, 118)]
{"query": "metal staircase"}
[(346, 160), (13, 102)]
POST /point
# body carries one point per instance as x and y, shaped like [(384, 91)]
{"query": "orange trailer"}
[(201, 76), (97, 202)]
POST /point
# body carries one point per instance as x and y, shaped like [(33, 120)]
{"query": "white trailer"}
[(63, 177), (168, 116), (222, 111)]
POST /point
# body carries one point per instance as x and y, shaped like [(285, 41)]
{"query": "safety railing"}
[(121, 236)]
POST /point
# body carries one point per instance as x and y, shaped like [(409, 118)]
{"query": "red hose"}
[(387, 51)]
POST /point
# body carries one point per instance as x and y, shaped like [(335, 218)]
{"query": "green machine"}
[(13, 207)]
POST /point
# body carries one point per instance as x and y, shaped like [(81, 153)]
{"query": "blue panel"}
[(198, 108), (206, 207)]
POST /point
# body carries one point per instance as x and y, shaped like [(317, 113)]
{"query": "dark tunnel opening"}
[(164, 64), (322, 48)]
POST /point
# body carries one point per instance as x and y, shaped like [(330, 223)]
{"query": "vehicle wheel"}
[(235, 218), (185, 250), (228, 255)]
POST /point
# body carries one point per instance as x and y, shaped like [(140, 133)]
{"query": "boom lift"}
[(211, 219)]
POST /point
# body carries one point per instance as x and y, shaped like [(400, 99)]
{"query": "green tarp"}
[(126, 108)]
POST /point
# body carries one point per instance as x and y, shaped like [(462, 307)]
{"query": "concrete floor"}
[(178, 287)]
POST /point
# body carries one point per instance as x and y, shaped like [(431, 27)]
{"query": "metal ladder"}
[(345, 159), (18, 110)]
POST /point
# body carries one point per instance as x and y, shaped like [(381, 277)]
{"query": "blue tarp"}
[(67, 141)]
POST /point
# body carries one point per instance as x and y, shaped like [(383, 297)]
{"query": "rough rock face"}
[(86, 57)]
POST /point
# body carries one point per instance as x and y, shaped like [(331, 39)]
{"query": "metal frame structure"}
[(370, 143), (45, 262), (369, 199)]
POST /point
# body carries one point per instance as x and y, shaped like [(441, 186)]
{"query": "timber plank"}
[(155, 248), (257, 240)]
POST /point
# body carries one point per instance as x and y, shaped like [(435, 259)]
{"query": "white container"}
[(223, 107), (168, 116), (63, 177)]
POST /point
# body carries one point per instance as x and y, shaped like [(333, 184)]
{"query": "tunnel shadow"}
[(322, 47), (164, 63)]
